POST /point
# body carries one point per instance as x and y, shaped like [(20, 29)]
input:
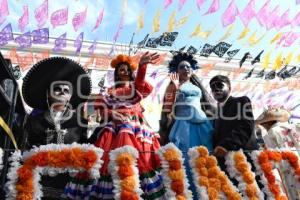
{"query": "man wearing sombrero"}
[(280, 134), (55, 86)]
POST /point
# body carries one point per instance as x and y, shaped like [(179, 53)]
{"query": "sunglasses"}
[(217, 85)]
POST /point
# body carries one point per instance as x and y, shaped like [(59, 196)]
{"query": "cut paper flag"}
[(266, 60), (167, 3), (206, 50), (41, 56), (257, 58), (221, 48), (263, 14), (248, 13), (168, 38), (156, 21), (270, 75), (288, 58), (231, 54), (245, 57), (130, 44), (78, 43), (283, 20), (181, 4), (252, 40), (142, 43), (276, 37), (40, 36), (183, 20), (119, 29), (199, 33), (79, 20), (227, 33), (230, 13), (140, 22), (25, 61), (41, 14), (153, 42), (244, 32), (24, 19), (4, 12), (59, 17), (290, 39), (249, 73), (179, 50), (273, 19), (172, 22), (278, 62), (6, 35), (191, 50), (60, 43), (199, 3), (99, 19), (260, 74), (296, 20), (297, 2), (92, 48), (214, 7), (24, 40)]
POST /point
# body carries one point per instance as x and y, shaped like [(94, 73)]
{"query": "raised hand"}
[(174, 78), (149, 58)]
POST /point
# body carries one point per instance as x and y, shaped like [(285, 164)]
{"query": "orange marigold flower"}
[(212, 193), (90, 158), (24, 196), (125, 171), (242, 167), (281, 198), (180, 197), (177, 186), (213, 172), (126, 195), (40, 159), (175, 164), (263, 157), (203, 181), (226, 188), (128, 183), (171, 154), (124, 159), (25, 173), (251, 191), (270, 177), (200, 162), (202, 150), (273, 155), (266, 167), (202, 171), (248, 177), (211, 161), (176, 174), (233, 196), (239, 157), (274, 189), (214, 183), (223, 178)]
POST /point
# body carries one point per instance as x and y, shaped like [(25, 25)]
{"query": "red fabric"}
[(148, 159)]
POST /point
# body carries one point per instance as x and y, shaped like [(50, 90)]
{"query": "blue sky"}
[(113, 12)]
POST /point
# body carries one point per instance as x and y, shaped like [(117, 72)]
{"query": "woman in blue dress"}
[(187, 106)]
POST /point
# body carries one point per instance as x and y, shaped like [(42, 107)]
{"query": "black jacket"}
[(234, 125)]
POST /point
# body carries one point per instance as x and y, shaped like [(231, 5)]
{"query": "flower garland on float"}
[(124, 171), (240, 169), (173, 171), (1, 159), (211, 183), (25, 170), (266, 161)]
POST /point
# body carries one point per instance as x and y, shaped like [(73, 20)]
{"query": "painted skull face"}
[(220, 91), (60, 92), (184, 70)]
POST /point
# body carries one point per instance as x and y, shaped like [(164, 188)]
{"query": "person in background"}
[(280, 134)]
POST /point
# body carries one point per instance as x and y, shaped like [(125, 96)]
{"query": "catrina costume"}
[(133, 131), (42, 128)]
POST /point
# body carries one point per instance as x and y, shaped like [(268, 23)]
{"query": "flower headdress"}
[(124, 59)]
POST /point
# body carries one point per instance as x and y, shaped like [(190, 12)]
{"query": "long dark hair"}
[(117, 78)]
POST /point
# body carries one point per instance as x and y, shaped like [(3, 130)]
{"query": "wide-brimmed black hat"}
[(39, 78)]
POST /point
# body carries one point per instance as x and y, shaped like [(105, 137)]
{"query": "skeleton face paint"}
[(60, 93), (220, 91)]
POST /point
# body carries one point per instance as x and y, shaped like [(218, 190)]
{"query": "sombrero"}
[(274, 114), (39, 78)]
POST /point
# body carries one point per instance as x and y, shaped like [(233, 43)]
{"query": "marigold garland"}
[(122, 166), (210, 181), (265, 159), (23, 180), (240, 169), (173, 172)]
